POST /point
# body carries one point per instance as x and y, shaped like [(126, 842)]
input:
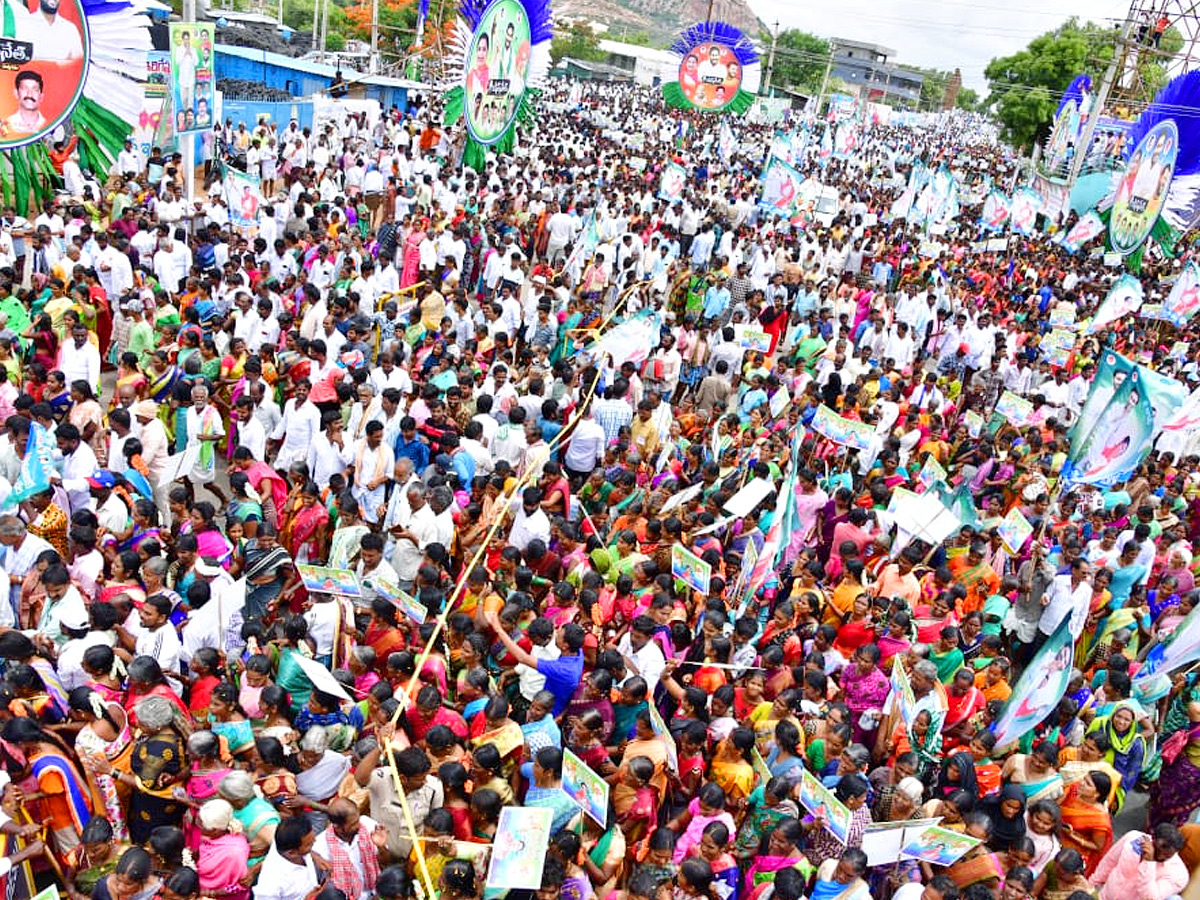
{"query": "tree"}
[(800, 59), (397, 23), (576, 41), (1025, 87), (968, 99)]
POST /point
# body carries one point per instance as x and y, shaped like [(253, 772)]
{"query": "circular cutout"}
[(710, 76), (497, 70), (43, 63)]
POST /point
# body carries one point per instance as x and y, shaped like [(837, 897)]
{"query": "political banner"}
[(193, 82), (938, 846), (821, 803), (1184, 299), (1088, 228), (1023, 210), (995, 212), (1118, 442), (242, 197), (519, 848), (36, 466), (690, 569), (672, 182), (910, 706), (1124, 297), (845, 141), (781, 184), (323, 580), (1181, 648), (843, 431), (1016, 409), (586, 789), (1040, 687), (1014, 530)]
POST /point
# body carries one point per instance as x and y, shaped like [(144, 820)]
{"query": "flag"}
[(1087, 228), (1181, 647), (1023, 210), (1125, 297), (1184, 300), (34, 476), (783, 522), (631, 341), (726, 141), (1040, 687), (586, 243), (1118, 442), (995, 212)]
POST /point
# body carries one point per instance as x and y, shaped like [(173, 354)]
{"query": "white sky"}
[(942, 34)]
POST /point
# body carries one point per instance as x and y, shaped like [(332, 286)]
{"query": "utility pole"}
[(825, 80), (771, 61), (324, 30), (708, 15), (1110, 75), (374, 67), (316, 22)]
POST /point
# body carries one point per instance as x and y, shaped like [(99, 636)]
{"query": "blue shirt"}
[(716, 301), (416, 450), (562, 678), (463, 464)]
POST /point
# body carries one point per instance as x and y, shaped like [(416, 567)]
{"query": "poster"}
[(158, 76), (1142, 188), (1184, 299), (995, 212), (404, 602), (858, 435), (819, 801), (910, 706), (931, 472), (1017, 410), (586, 789), (321, 580), (1062, 316), (1014, 530), (781, 188), (750, 337), (43, 64), (687, 567), (660, 729), (242, 197), (672, 181), (1026, 204), (710, 76), (938, 846), (974, 422), (519, 850), (883, 842), (497, 70), (192, 80)]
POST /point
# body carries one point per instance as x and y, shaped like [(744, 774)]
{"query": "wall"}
[(281, 114)]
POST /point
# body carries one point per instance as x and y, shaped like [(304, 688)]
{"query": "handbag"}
[(1174, 745)]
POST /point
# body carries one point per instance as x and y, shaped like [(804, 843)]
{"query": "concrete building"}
[(643, 64), (867, 67)]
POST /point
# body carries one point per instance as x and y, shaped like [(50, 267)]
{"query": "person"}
[(1147, 865), (28, 87), (289, 871)]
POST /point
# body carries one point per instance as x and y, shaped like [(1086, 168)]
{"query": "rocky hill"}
[(662, 19)]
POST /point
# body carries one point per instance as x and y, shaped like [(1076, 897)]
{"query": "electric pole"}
[(825, 80), (771, 61), (1110, 74), (374, 66)]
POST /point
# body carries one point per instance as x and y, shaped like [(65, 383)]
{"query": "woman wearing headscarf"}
[(958, 773), (1007, 815), (1127, 747)]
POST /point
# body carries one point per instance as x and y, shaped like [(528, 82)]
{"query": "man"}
[(156, 637), (373, 466), (64, 603), (250, 431), (412, 533), (642, 654), (586, 449), (204, 425), (77, 464), (297, 428), (423, 791), (79, 360), (111, 511), (562, 674), (1143, 867), (529, 521), (28, 118), (329, 453), (289, 872), (20, 551), (1070, 595), (352, 845), (155, 450)]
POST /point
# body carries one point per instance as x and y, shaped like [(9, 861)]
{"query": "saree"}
[(1087, 819), (221, 863), (977, 866), (1176, 793), (65, 804), (292, 679), (153, 803), (106, 793), (301, 530)]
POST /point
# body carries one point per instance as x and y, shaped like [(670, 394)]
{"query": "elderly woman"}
[(257, 818), (321, 773), (159, 766), (222, 859)]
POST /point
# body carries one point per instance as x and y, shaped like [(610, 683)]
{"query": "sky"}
[(941, 34)]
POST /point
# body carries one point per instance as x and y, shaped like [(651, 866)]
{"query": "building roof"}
[(840, 43), (649, 54), (279, 59)]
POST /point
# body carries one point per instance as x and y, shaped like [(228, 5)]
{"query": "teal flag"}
[(1040, 687)]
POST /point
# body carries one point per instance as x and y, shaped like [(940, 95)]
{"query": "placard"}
[(1017, 410), (1014, 530), (323, 580), (843, 431), (586, 789), (820, 802), (938, 846), (752, 494), (404, 602), (687, 567), (519, 849)]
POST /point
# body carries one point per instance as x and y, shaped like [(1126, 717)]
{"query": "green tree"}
[(968, 99), (800, 59), (577, 42), (1025, 87)]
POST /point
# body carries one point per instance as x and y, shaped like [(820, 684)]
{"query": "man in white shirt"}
[(157, 637), (329, 452), (288, 872), (300, 424), (80, 360), (643, 656), (415, 529), (529, 521), (78, 463), (586, 449), (250, 432), (1069, 595)]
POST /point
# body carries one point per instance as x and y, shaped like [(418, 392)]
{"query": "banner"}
[(672, 182), (192, 79), (687, 567), (242, 198), (1088, 228), (845, 140), (36, 466), (781, 188), (1040, 687), (519, 850), (1183, 301), (1125, 297), (1016, 409), (995, 212), (1179, 649), (843, 431), (1023, 212), (1118, 442), (586, 789)]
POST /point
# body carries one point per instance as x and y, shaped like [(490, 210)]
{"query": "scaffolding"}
[(1150, 34)]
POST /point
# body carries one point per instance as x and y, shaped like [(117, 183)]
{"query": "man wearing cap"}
[(111, 511)]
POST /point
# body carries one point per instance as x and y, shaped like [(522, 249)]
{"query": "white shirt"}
[(353, 853), (322, 619), (163, 645), (406, 558), (326, 458), (1065, 601), (296, 429), (525, 528), (253, 436), (649, 659), (281, 879), (80, 363)]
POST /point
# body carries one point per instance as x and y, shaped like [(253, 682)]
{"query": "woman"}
[(958, 773), (1036, 773), (864, 690), (289, 675), (159, 766), (88, 416), (1007, 815), (144, 527), (851, 790), (95, 858), (1042, 821), (123, 579), (268, 570), (204, 777), (858, 629), (1086, 822), (779, 850), (129, 374), (1176, 793), (223, 856), (132, 879), (411, 259), (304, 531), (104, 745), (245, 506), (55, 790), (1127, 747), (210, 542), (44, 343)]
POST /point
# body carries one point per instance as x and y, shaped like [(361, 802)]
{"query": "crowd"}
[(508, 395)]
